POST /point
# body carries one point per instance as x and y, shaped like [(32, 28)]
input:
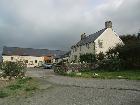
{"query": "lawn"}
[(18, 87), (130, 75)]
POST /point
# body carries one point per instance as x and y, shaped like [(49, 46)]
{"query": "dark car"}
[(47, 66)]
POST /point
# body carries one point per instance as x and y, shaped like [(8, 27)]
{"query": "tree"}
[(130, 56), (130, 39)]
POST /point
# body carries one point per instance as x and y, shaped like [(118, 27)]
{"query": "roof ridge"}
[(90, 38), (99, 31)]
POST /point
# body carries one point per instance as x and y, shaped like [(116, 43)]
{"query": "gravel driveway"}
[(59, 90)]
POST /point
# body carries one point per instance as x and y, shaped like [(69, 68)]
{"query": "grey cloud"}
[(126, 17), (58, 24)]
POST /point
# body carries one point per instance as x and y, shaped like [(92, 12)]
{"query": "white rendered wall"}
[(31, 60), (84, 50), (110, 39)]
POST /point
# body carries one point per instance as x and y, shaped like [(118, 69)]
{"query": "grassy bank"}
[(130, 75), (18, 87)]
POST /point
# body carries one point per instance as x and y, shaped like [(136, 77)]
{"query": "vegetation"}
[(130, 39), (88, 58), (58, 69), (12, 69), (130, 75), (120, 62), (124, 57), (100, 56), (19, 87), (3, 94)]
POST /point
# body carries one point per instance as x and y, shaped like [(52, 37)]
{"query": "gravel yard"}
[(59, 90)]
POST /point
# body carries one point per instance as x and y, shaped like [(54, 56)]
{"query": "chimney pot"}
[(108, 24), (83, 36)]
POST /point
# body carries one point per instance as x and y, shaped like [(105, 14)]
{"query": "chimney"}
[(108, 24), (83, 36)]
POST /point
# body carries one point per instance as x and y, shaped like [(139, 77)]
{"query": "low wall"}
[(74, 67)]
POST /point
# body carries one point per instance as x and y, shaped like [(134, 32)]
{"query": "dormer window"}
[(80, 47), (75, 49), (100, 43), (72, 49), (87, 45), (12, 58)]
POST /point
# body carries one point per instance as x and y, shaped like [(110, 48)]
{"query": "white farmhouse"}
[(31, 61), (95, 43), (31, 57)]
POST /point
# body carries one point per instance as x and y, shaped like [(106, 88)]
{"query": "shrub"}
[(130, 56), (111, 61), (59, 69), (126, 56), (14, 87), (23, 81), (88, 58), (13, 69), (100, 56), (110, 64), (31, 88), (3, 94)]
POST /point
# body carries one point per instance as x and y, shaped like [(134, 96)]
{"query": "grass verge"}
[(19, 87), (130, 75)]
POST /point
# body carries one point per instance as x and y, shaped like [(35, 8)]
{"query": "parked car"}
[(47, 66)]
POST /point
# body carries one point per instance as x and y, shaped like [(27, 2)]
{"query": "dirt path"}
[(59, 90)]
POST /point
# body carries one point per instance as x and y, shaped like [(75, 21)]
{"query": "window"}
[(31, 62), (75, 57), (48, 61), (12, 58), (100, 42), (87, 45), (40, 63), (26, 61), (35, 61), (75, 49), (80, 48)]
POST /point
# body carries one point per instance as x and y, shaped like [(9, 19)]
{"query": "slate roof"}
[(90, 38), (31, 52), (66, 54)]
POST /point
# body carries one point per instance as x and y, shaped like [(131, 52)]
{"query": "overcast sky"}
[(58, 24)]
